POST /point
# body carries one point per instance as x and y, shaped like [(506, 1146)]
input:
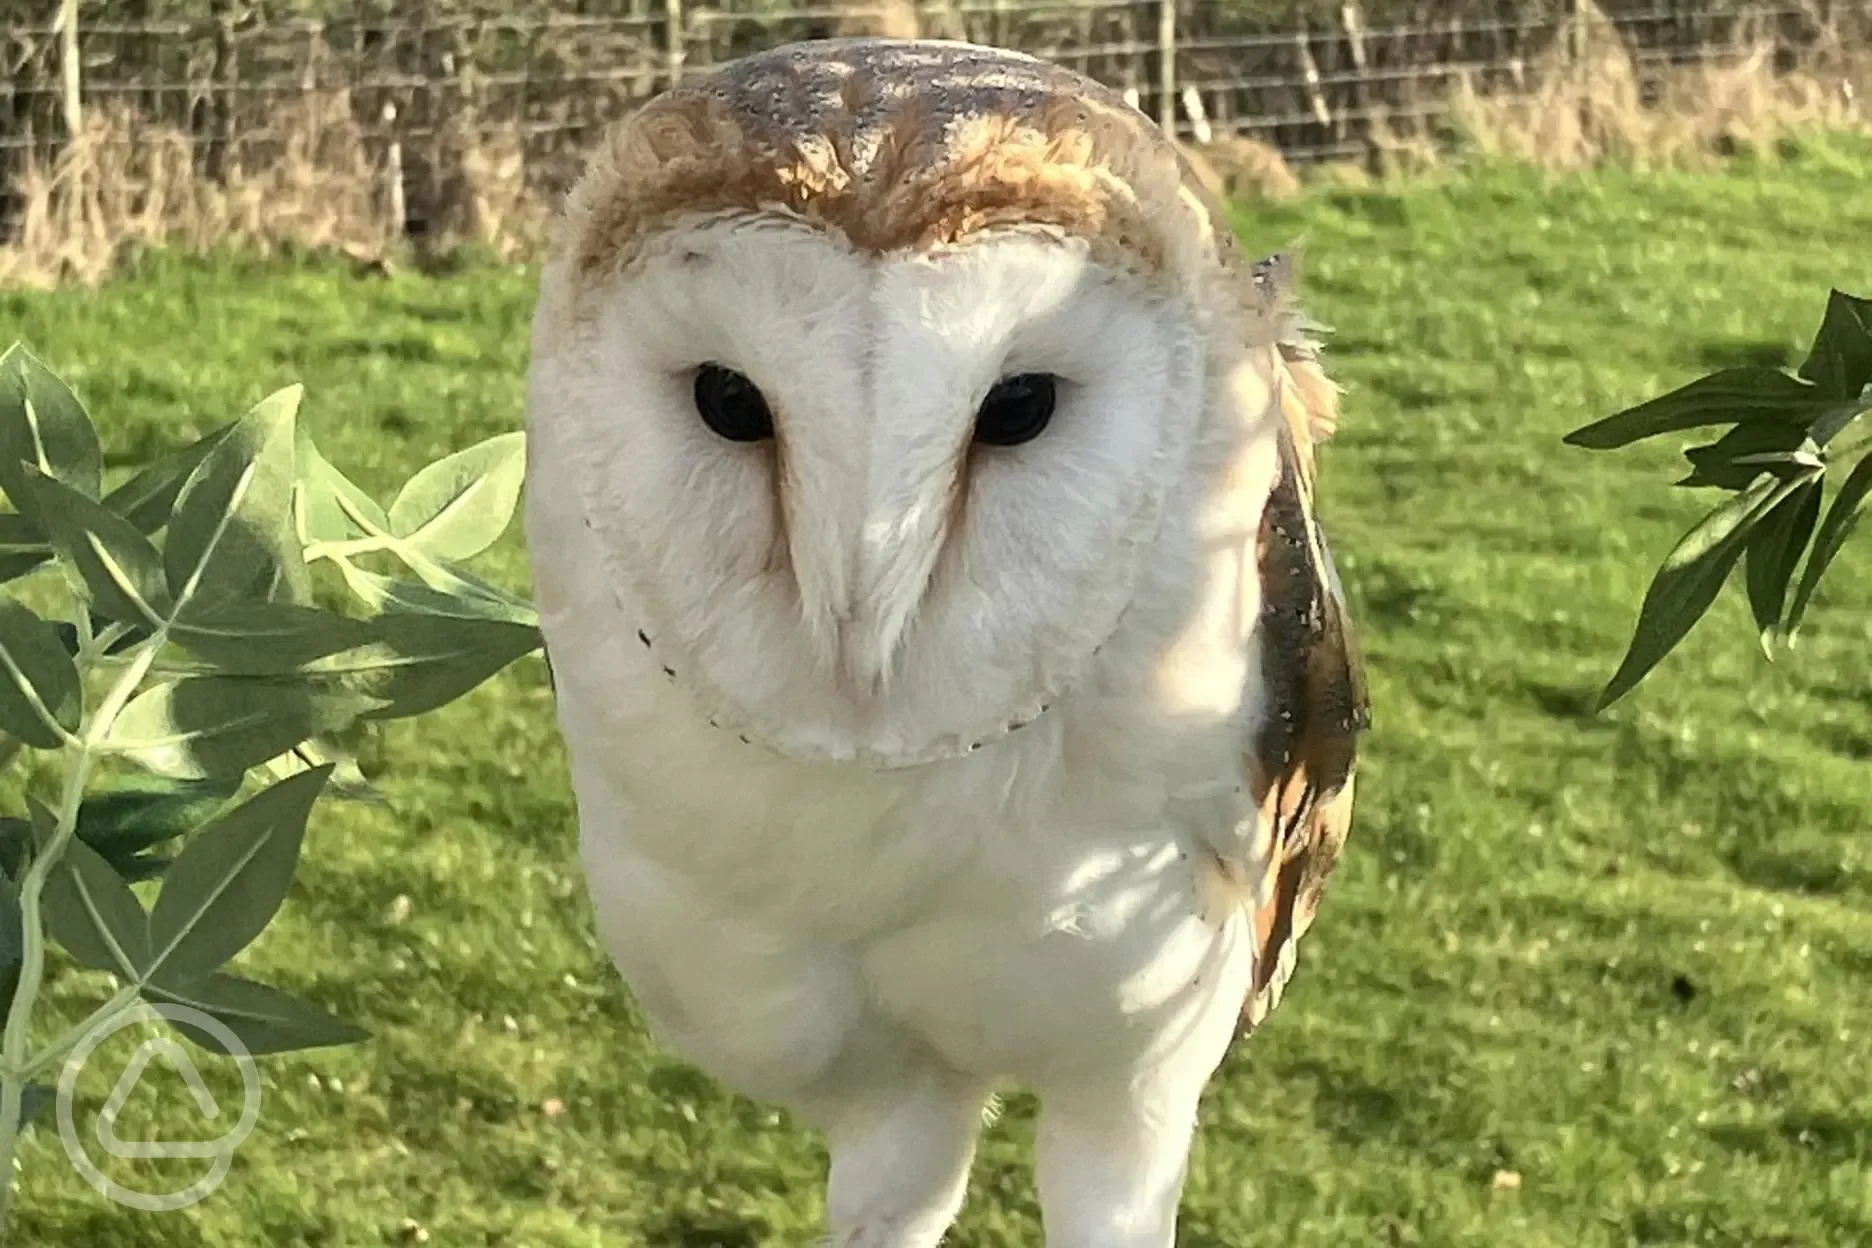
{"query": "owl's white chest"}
[(1037, 906)]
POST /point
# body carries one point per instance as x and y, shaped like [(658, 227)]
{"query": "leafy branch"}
[(1788, 434), (189, 642)]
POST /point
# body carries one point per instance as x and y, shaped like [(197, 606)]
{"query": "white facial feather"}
[(873, 586)]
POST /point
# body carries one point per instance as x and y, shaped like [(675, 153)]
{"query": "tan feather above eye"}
[(895, 146)]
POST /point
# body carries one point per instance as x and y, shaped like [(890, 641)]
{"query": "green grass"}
[(1625, 957)]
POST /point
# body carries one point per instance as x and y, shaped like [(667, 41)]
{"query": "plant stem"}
[(91, 649), (66, 1042), (81, 755), (345, 549)]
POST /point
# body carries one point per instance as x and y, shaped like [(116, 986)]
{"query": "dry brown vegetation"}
[(1590, 105), (1234, 166), (327, 183), (126, 184)]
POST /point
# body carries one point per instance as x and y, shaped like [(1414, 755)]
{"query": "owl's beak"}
[(869, 510), (861, 594), (865, 660), (897, 551)]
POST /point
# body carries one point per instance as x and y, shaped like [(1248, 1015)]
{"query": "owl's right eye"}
[(1017, 408), (731, 405)]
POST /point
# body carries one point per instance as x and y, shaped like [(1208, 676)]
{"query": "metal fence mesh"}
[(416, 83)]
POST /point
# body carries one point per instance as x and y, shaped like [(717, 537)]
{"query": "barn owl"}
[(955, 681)]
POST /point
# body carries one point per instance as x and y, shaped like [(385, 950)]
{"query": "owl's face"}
[(866, 502)]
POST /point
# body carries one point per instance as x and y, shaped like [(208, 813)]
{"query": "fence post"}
[(1316, 91), (1352, 19), (393, 173), (1166, 73), (674, 45), (1200, 129), (221, 77), (70, 71)]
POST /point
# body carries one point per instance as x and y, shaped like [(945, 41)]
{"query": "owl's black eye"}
[(732, 405), (1016, 409)]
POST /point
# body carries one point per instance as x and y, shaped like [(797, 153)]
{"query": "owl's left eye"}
[(1016, 409), (732, 405)]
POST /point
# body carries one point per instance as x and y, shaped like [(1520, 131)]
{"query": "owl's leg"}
[(900, 1161), (1110, 1162)]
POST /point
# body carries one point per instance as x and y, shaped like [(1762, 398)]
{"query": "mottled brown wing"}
[(1301, 760)]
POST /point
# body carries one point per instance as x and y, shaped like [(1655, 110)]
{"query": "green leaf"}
[(331, 508), (291, 581), (16, 839), (1737, 458), (1839, 418), (1774, 551), (121, 570), (22, 546), (1689, 580), (1733, 394), (466, 596), (35, 1098), (128, 639), (89, 909), (1841, 518), (460, 505), (267, 638), (264, 1020), (416, 663), (400, 664), (41, 697), (43, 423), (200, 726), (231, 880), (139, 813), (12, 941), (147, 498), (12, 934), (233, 518), (128, 818), (1840, 362), (348, 782)]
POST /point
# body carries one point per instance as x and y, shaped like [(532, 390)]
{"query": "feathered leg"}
[(1113, 1149), (1111, 1171), (900, 1161)]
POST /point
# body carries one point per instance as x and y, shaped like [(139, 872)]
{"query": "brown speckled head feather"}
[(900, 144), (1301, 762)]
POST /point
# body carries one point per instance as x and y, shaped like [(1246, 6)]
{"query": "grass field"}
[(1626, 958)]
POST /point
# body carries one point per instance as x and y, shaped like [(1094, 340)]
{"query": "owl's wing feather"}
[(1302, 756)]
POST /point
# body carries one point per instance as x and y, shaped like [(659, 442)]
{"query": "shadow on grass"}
[(1818, 872), (1351, 1108), (116, 1228), (1833, 1138), (1573, 706), (687, 1231), (1731, 353), (409, 349), (1686, 1223)]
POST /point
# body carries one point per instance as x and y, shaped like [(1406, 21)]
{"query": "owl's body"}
[(959, 691)]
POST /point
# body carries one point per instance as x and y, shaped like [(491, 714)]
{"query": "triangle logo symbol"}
[(184, 1065)]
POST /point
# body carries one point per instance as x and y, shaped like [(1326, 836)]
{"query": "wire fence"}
[(420, 82)]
